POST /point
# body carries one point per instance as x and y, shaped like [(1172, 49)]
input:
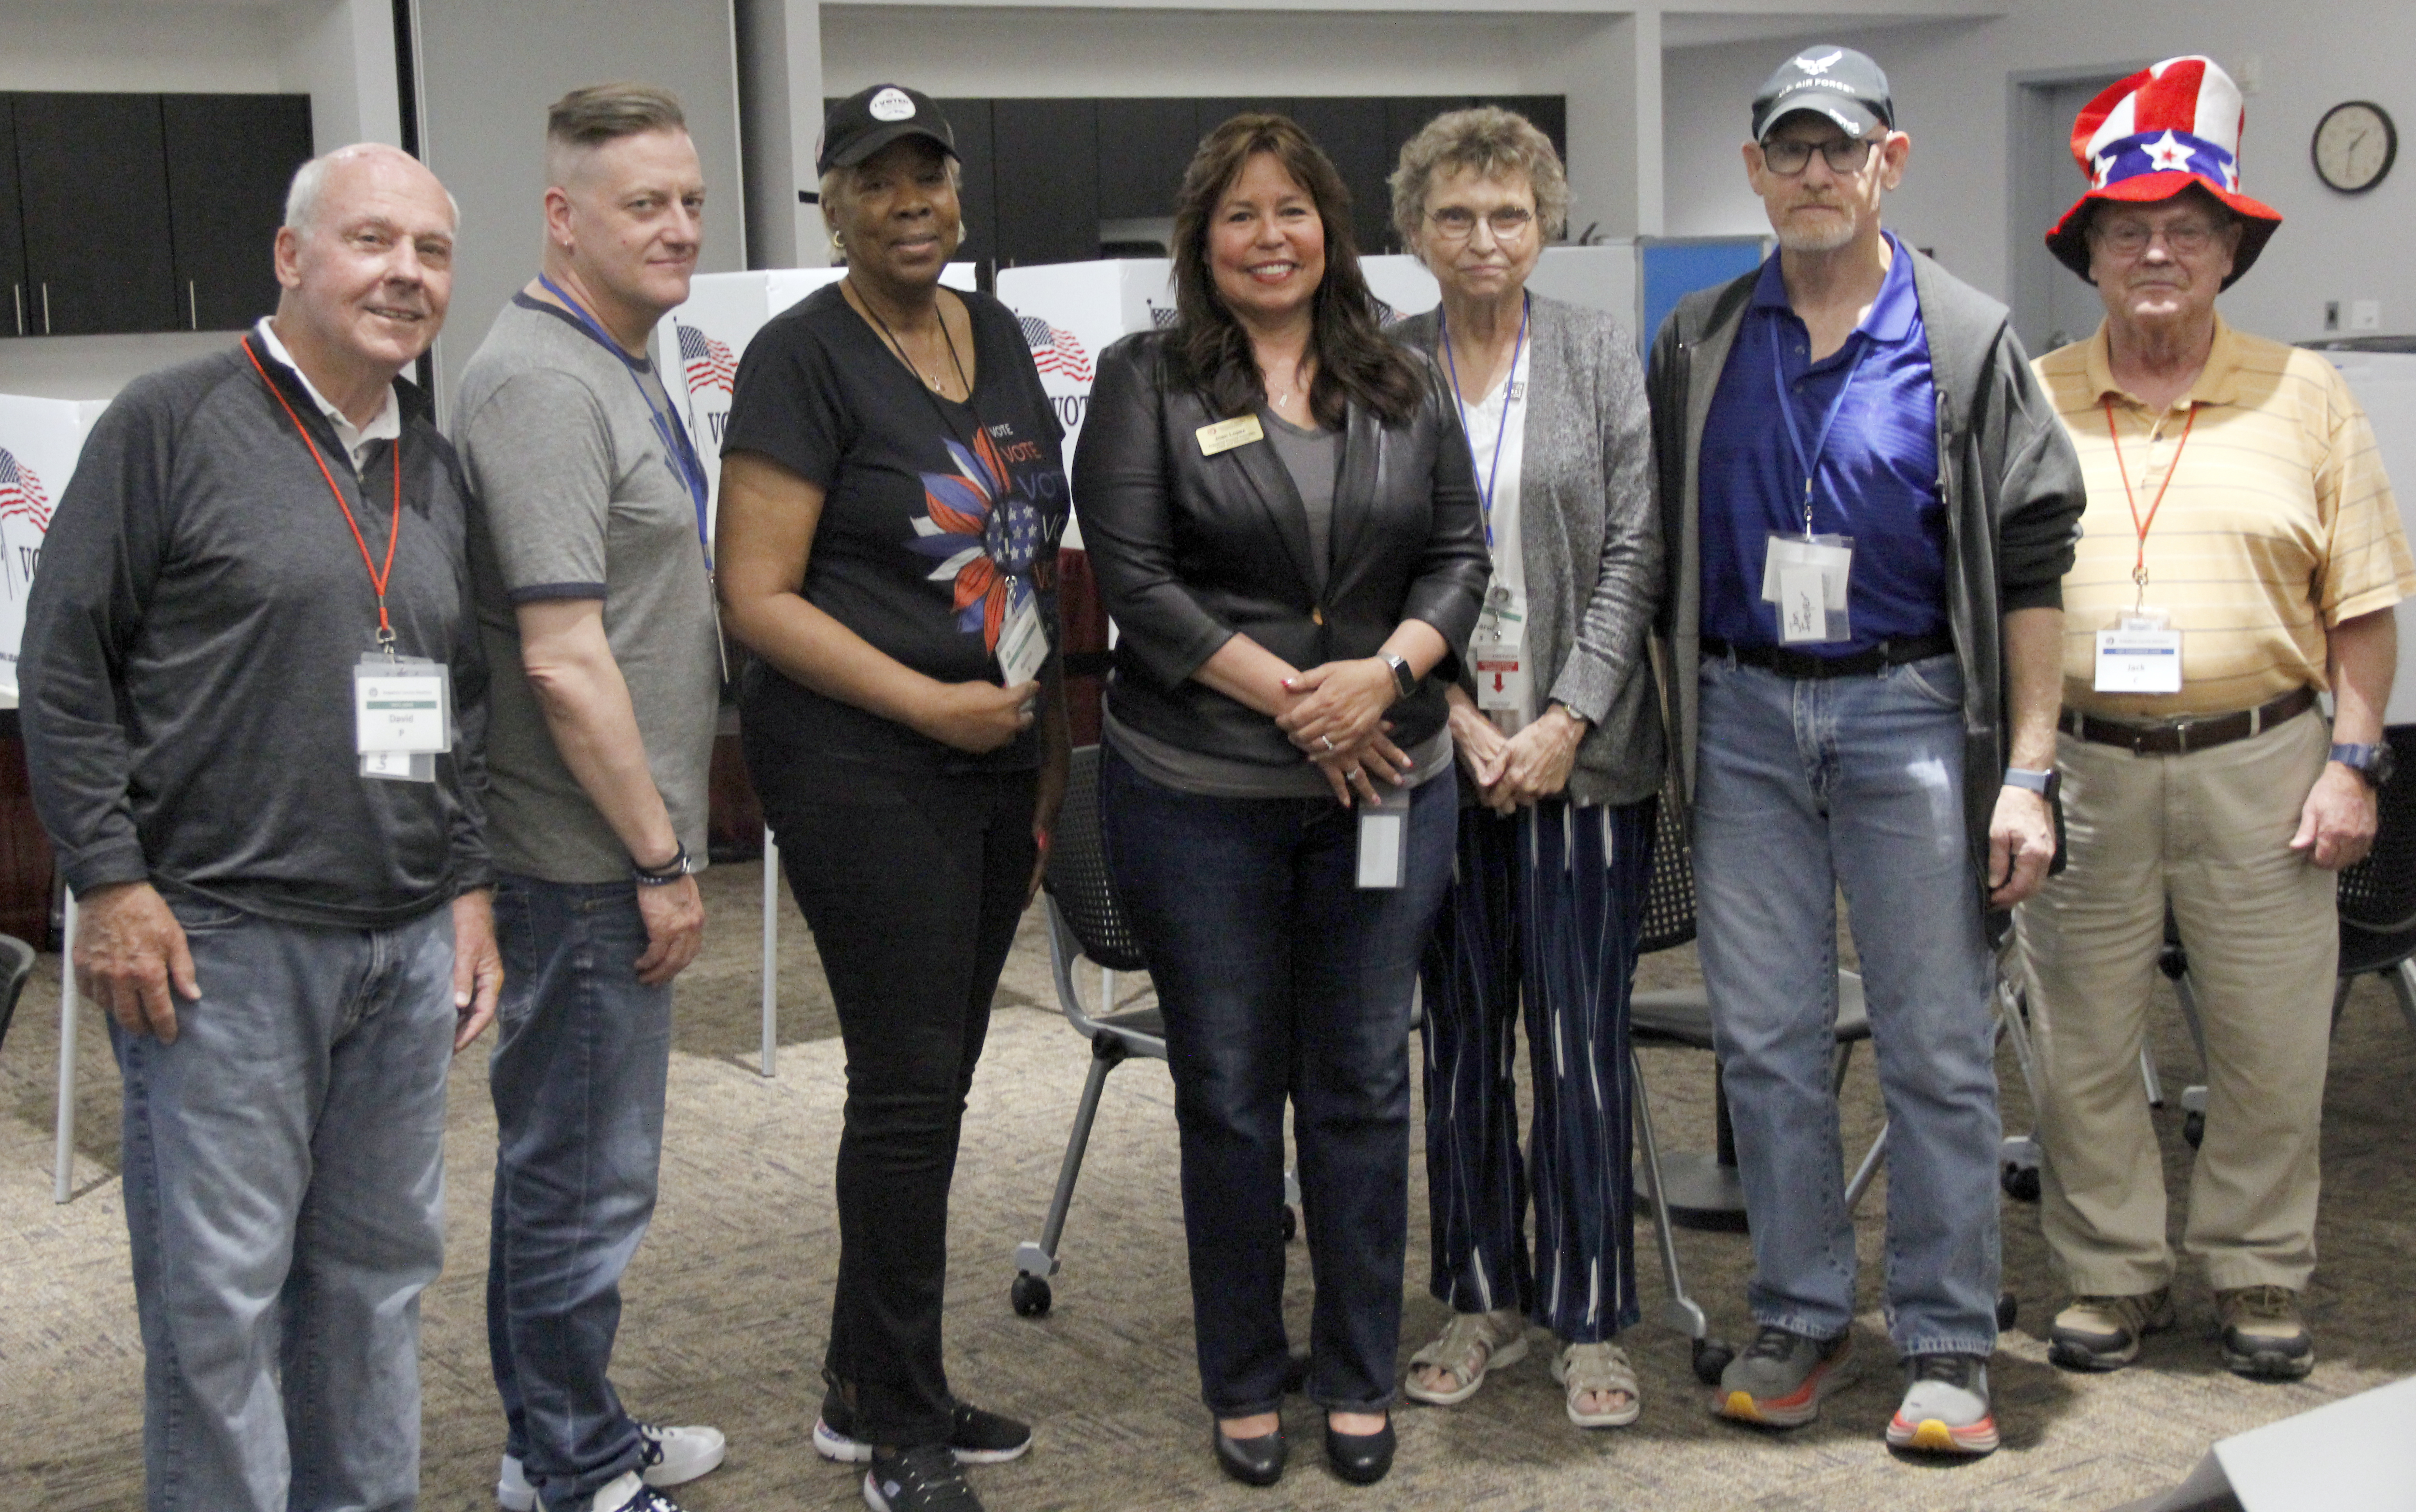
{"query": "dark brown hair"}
[(1211, 352)]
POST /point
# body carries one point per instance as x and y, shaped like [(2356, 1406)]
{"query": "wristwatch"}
[(2372, 763), (2046, 784), (1404, 681), (679, 866)]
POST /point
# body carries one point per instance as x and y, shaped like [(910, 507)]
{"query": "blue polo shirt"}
[(1876, 480)]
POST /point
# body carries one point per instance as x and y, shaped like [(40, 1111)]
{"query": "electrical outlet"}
[(2366, 314), (2331, 314)]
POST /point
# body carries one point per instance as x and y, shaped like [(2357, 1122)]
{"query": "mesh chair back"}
[(1670, 901), (1077, 877), (2378, 893), (15, 970)]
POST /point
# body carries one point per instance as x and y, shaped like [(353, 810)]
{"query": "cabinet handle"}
[(19, 291), (46, 306), (192, 306)]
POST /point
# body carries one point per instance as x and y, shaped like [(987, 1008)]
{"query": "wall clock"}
[(2354, 147)]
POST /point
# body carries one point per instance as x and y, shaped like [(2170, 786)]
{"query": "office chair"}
[(15, 970)]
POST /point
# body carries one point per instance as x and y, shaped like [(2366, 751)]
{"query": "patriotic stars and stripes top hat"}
[(2168, 128)]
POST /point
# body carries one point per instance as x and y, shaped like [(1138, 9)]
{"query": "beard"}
[(1816, 237)]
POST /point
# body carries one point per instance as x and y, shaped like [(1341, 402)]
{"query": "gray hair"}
[(1491, 143), (310, 181), (839, 183)]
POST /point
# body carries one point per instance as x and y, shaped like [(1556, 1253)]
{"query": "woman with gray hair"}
[(1559, 737)]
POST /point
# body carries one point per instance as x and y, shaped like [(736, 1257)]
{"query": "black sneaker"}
[(925, 1478), (977, 1437)]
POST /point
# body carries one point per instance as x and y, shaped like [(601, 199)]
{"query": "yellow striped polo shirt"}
[(2278, 523)]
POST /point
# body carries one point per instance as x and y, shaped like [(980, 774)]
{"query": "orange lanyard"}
[(378, 580), (2139, 563)]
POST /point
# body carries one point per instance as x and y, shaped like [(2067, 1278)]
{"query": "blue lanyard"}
[(679, 452), (1787, 406), (1493, 471)]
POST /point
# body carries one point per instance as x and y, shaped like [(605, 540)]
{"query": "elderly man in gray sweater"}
[(253, 702)]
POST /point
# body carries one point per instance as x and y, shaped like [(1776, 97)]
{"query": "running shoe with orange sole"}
[(1780, 1378), (1945, 1407)]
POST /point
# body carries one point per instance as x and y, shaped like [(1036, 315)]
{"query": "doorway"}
[(2051, 307)]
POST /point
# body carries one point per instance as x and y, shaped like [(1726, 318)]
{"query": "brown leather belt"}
[(2190, 732)]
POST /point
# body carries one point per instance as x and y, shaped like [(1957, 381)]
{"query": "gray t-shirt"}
[(579, 497), (1312, 458)]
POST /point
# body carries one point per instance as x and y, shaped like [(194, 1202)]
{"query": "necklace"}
[(899, 347)]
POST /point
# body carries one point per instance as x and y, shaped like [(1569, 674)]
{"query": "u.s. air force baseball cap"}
[(1835, 82), (871, 119)]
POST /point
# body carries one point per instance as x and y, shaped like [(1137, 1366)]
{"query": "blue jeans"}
[(284, 1200), (583, 1051), (1281, 980), (1803, 787)]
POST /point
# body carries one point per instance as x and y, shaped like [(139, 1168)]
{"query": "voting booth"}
[(701, 342), (1071, 313), (40, 442), (2384, 383)]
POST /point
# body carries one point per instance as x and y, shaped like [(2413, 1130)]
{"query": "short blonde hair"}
[(585, 119), (1491, 143)]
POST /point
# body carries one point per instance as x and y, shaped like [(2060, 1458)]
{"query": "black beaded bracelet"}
[(664, 875)]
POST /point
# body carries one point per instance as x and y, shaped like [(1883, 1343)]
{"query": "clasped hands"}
[(1334, 713), (1513, 770)]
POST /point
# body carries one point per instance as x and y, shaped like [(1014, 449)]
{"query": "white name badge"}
[(402, 716), (1501, 675), (1383, 827), (1022, 643), (1808, 580), (2139, 661)]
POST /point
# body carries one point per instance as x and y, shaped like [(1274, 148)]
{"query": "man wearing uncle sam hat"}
[(2241, 552)]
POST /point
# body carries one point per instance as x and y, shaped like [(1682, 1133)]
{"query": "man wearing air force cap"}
[(1873, 508)]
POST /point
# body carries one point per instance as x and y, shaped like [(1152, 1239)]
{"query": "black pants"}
[(913, 887)]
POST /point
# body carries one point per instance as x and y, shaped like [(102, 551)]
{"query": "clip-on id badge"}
[(1383, 827), (1022, 643), (1807, 578), (1499, 649), (402, 716), (2141, 654)]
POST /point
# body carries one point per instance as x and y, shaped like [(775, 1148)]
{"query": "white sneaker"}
[(674, 1457)]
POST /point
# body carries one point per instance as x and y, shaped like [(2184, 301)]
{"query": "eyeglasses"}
[(1790, 156), (2129, 238), (1455, 223)]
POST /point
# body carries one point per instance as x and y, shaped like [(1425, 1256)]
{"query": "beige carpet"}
[(727, 1300)]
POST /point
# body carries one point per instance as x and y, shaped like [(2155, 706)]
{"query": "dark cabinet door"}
[(230, 160), (1144, 145), (12, 230), (1352, 131), (1047, 180), (93, 181), (977, 181)]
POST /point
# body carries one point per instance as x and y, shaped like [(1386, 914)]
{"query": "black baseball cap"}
[(871, 119), (1837, 82)]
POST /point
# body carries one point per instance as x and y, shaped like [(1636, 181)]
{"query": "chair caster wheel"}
[(1711, 1357), (2021, 1182), (1291, 1225), (1031, 1294), (2009, 1307), (2193, 1130)]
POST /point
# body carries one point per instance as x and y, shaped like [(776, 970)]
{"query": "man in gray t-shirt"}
[(595, 610)]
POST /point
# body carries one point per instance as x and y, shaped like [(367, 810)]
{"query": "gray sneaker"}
[(1780, 1378), (1945, 1407), (2104, 1333)]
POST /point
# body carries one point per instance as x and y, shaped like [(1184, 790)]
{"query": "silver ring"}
[(1329, 741)]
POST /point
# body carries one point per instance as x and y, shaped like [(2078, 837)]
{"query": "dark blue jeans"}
[(583, 1051), (1282, 980)]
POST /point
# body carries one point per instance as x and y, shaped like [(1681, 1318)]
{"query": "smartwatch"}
[(1405, 682), (2370, 762), (2046, 784)]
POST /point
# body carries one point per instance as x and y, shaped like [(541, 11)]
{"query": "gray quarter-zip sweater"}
[(186, 677)]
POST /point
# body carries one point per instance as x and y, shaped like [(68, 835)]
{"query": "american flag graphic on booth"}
[(1055, 350), (20, 492), (708, 363)]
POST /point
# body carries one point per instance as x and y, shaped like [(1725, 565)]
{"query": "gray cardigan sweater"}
[(1590, 539)]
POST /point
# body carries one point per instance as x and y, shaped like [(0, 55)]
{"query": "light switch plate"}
[(2366, 314)]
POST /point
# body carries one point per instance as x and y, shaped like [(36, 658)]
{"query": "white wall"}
[(340, 52), (1952, 83), (139, 48)]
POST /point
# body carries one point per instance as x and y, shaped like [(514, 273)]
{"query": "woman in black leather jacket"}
[(1282, 518)]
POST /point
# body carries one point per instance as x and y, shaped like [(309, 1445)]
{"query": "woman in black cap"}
[(892, 495)]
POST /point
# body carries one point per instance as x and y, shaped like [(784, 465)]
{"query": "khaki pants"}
[(2212, 830)]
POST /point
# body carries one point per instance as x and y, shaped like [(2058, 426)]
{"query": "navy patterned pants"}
[(1545, 905)]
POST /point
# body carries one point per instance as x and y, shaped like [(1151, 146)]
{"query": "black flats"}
[(1256, 1461), (1361, 1459)]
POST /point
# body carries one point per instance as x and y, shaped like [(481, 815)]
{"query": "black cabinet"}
[(1144, 145), (1352, 131), (12, 230), (230, 159), (1047, 180), (93, 183), (977, 182)]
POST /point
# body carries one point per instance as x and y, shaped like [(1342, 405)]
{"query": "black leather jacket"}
[(1191, 550)]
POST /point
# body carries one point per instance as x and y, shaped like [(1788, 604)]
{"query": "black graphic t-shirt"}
[(938, 522)]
